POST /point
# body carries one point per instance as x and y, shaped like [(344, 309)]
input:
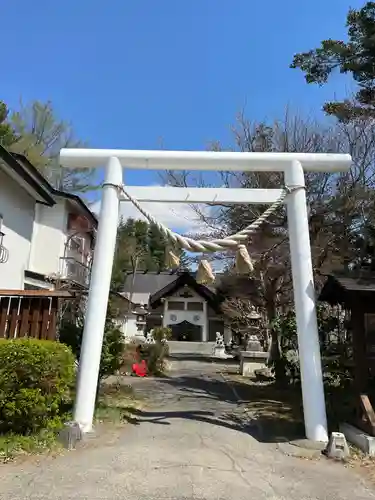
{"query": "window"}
[(76, 244), (195, 306), (77, 222), (176, 306), (33, 287)]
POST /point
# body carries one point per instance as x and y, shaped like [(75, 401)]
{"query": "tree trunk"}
[(275, 351)]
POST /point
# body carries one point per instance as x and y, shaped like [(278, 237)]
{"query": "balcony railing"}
[(73, 270)]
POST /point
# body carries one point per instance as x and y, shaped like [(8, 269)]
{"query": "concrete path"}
[(190, 442)]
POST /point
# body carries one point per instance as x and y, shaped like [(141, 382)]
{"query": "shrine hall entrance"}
[(186, 332)]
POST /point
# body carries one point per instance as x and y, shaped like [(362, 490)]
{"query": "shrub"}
[(162, 333), (70, 334), (335, 356), (153, 354), (35, 381), (113, 345), (112, 351), (129, 356)]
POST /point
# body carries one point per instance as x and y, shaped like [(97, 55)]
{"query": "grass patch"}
[(116, 403), (14, 445)]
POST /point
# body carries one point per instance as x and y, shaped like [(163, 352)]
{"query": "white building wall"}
[(129, 327), (17, 208), (48, 238), (174, 317)]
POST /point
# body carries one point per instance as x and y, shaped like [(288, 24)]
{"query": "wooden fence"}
[(30, 313)]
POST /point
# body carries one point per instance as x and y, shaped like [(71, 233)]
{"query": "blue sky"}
[(138, 74)]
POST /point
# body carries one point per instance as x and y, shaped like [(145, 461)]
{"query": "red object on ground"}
[(140, 369)]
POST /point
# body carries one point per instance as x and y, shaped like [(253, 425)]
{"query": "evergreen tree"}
[(157, 244), (140, 247), (355, 57), (185, 261)]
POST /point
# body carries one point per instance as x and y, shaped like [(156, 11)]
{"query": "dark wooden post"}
[(361, 369)]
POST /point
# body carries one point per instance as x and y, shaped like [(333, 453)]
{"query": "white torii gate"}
[(292, 165)]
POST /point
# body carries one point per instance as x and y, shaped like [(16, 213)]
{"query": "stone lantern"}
[(252, 332), (141, 314), (253, 357)]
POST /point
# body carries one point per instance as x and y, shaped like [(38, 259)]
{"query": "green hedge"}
[(35, 381)]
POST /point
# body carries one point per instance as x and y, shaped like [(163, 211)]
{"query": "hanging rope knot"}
[(172, 261), (244, 264), (205, 275), (235, 241)]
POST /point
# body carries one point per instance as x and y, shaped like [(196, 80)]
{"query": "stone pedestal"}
[(337, 446), (70, 435), (219, 352), (252, 360)]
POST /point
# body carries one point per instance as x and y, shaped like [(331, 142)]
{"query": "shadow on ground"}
[(265, 412)]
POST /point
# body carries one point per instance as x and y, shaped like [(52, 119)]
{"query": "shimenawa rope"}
[(205, 274)]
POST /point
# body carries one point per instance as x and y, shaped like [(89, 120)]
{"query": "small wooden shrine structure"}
[(357, 295)]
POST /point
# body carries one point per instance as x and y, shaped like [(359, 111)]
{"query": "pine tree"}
[(140, 247), (157, 244), (355, 57)]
